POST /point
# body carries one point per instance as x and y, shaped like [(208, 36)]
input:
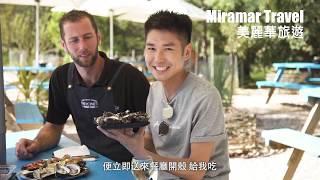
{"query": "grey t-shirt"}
[(197, 117)]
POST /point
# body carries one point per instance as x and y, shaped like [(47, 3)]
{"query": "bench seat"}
[(284, 85), (314, 80), (295, 139), (28, 113), (310, 92)]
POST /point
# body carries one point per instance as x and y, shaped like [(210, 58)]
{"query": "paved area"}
[(272, 167), (253, 100)]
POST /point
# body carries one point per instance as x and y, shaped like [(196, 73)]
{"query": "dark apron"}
[(88, 102)]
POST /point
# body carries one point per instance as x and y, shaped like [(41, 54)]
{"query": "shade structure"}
[(106, 8), (49, 3), (133, 10), (143, 9)]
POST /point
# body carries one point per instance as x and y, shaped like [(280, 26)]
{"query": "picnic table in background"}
[(312, 80), (30, 69)]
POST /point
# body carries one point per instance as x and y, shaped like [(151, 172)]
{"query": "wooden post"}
[(211, 60), (276, 79), (3, 155), (270, 94)]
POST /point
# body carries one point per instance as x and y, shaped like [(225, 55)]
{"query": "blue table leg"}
[(276, 79)]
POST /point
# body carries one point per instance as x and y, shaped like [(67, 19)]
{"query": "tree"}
[(19, 30)]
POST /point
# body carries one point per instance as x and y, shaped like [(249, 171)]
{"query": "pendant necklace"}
[(167, 113)]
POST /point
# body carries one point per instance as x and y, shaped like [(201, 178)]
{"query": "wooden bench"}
[(28, 116), (295, 139), (284, 85), (314, 80), (310, 93), (27, 113), (302, 141)]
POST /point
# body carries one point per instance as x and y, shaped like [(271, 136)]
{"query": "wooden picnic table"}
[(281, 68), (29, 68), (296, 65)]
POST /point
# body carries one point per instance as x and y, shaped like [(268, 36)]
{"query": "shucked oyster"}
[(65, 167), (43, 172), (126, 117), (62, 169), (74, 169)]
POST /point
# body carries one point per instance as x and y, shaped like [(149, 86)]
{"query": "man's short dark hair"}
[(74, 16), (165, 20)]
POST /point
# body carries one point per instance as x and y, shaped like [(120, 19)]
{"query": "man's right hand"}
[(48, 137), (26, 148)]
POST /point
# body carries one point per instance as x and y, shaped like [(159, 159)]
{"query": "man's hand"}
[(134, 142), (48, 137), (26, 148)]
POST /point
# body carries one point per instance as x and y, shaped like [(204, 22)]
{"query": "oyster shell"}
[(43, 172), (65, 167), (74, 169), (121, 118), (61, 169)]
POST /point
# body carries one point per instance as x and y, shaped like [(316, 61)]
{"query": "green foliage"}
[(263, 52), (41, 93), (222, 72), (31, 85), (127, 36), (18, 30), (258, 73), (24, 84), (49, 33)]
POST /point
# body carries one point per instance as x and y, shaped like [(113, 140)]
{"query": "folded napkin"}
[(72, 151)]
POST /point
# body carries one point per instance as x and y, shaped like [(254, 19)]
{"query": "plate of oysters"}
[(122, 120), (55, 168)]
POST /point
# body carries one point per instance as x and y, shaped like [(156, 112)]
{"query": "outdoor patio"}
[(260, 162), (266, 164)]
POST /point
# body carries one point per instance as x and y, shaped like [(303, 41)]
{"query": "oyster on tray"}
[(56, 168), (109, 120)]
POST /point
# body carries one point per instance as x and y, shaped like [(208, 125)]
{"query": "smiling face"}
[(81, 42), (166, 55)]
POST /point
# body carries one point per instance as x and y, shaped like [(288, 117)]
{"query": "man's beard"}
[(81, 64)]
